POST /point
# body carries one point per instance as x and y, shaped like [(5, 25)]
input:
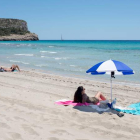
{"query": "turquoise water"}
[(71, 58)]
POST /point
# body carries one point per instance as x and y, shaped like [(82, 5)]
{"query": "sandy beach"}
[(28, 110)]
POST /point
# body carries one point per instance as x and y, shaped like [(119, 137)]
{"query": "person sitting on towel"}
[(11, 69), (81, 97)]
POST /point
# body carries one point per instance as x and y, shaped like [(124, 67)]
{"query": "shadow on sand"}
[(90, 109)]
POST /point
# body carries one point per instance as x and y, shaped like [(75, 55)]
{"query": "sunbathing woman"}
[(81, 97), (13, 67)]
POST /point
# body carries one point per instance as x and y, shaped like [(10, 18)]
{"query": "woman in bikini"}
[(13, 67), (81, 97)]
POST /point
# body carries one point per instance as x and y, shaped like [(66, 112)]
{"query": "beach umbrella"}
[(112, 68)]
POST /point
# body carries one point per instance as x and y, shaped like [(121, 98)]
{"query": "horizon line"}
[(90, 40)]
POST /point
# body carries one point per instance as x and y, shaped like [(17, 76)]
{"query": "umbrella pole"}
[(112, 76), (111, 88)]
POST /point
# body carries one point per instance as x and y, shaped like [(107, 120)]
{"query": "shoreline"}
[(115, 82), (92, 78)]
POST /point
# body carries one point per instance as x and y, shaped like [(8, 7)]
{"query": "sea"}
[(72, 57)]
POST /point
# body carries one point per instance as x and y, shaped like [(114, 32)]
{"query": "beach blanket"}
[(131, 109), (70, 102)]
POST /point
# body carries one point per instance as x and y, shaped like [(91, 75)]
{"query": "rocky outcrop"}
[(15, 37), (13, 23), (15, 29)]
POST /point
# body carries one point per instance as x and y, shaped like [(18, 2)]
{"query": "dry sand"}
[(28, 112)]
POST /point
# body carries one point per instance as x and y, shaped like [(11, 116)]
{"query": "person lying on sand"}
[(81, 97), (11, 69)]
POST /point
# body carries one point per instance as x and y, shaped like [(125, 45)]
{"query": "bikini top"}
[(12, 69)]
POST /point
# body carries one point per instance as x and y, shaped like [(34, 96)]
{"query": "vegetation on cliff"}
[(8, 31), (13, 26)]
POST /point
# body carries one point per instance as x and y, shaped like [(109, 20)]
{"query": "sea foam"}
[(41, 65), (14, 61), (25, 54), (73, 65), (50, 46), (47, 52)]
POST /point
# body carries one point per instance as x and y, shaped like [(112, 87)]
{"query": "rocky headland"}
[(15, 30)]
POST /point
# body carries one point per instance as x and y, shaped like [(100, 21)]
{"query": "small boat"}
[(61, 38)]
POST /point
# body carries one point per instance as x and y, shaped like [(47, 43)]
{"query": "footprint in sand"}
[(4, 125), (53, 138), (29, 130), (60, 132), (20, 119), (35, 126), (15, 136), (81, 139)]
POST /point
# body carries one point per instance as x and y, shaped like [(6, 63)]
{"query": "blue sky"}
[(77, 19)]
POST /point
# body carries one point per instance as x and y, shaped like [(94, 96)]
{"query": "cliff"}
[(14, 29)]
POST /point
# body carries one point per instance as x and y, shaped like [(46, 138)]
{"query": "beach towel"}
[(70, 102), (131, 109)]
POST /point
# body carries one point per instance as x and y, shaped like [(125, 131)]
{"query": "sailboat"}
[(61, 38)]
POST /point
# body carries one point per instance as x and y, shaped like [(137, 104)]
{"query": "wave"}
[(25, 63), (52, 52), (73, 65), (41, 65), (5, 43), (19, 62), (57, 58), (50, 46), (47, 52), (65, 58), (45, 57), (14, 61), (43, 51), (18, 45), (25, 54), (79, 70)]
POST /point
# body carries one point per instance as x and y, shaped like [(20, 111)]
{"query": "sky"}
[(77, 19)]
